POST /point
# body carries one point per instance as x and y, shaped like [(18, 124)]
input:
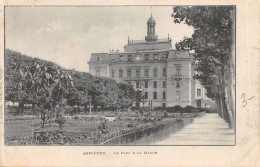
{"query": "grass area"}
[(24, 128)]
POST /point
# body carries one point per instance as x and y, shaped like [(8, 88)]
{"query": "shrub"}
[(76, 117), (160, 108), (189, 109), (165, 113), (134, 108), (174, 109), (103, 128), (61, 121)]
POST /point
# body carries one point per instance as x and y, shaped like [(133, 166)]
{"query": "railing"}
[(177, 76), (137, 78), (144, 41), (150, 134)]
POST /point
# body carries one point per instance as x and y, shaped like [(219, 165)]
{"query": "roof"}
[(151, 20), (160, 44)]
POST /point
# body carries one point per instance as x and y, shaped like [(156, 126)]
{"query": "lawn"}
[(24, 128)]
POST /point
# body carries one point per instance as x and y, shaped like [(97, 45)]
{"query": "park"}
[(47, 104)]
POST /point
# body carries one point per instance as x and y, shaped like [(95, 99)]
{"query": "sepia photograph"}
[(120, 75)]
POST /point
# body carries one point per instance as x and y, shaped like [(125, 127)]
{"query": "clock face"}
[(138, 58)]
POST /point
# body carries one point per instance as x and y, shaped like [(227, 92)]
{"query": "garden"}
[(49, 105), (85, 129)]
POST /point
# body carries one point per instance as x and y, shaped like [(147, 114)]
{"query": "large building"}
[(164, 75)]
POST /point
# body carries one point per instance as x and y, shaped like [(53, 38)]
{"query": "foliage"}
[(103, 128), (126, 95), (61, 121), (40, 82), (189, 109), (46, 84), (212, 42)]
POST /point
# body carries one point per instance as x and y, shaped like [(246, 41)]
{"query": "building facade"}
[(164, 75)]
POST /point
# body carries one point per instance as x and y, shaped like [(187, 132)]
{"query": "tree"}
[(46, 83), (126, 95), (213, 43), (13, 62), (61, 121)]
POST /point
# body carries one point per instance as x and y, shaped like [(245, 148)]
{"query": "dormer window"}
[(121, 57), (98, 58), (155, 56), (129, 58), (146, 56), (164, 56)]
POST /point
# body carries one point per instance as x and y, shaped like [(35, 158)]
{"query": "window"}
[(178, 84), (146, 95), (198, 92), (120, 73), (137, 72), (178, 95), (155, 72), (164, 57), (129, 58), (164, 95), (129, 82), (146, 84), (129, 73), (146, 72), (155, 56), (97, 72), (154, 95), (164, 84), (154, 84), (121, 57), (146, 56), (112, 73), (164, 72), (98, 58), (178, 71), (137, 84), (163, 105)]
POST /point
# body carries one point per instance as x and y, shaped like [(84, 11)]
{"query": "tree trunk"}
[(21, 107), (219, 107), (89, 108), (95, 107), (43, 117), (33, 108)]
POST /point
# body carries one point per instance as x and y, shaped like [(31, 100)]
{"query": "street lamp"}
[(142, 95), (90, 100)]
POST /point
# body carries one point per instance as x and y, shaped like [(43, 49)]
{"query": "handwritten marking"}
[(244, 102), (251, 98)]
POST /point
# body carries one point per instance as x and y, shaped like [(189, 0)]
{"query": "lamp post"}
[(142, 95), (90, 106)]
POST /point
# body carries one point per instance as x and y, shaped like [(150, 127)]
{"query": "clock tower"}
[(151, 36)]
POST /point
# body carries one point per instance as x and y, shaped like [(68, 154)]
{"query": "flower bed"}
[(52, 124), (54, 137), (20, 118)]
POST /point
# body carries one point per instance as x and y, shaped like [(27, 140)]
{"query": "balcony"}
[(141, 78), (177, 76)]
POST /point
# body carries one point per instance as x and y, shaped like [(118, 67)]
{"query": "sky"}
[(68, 35)]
